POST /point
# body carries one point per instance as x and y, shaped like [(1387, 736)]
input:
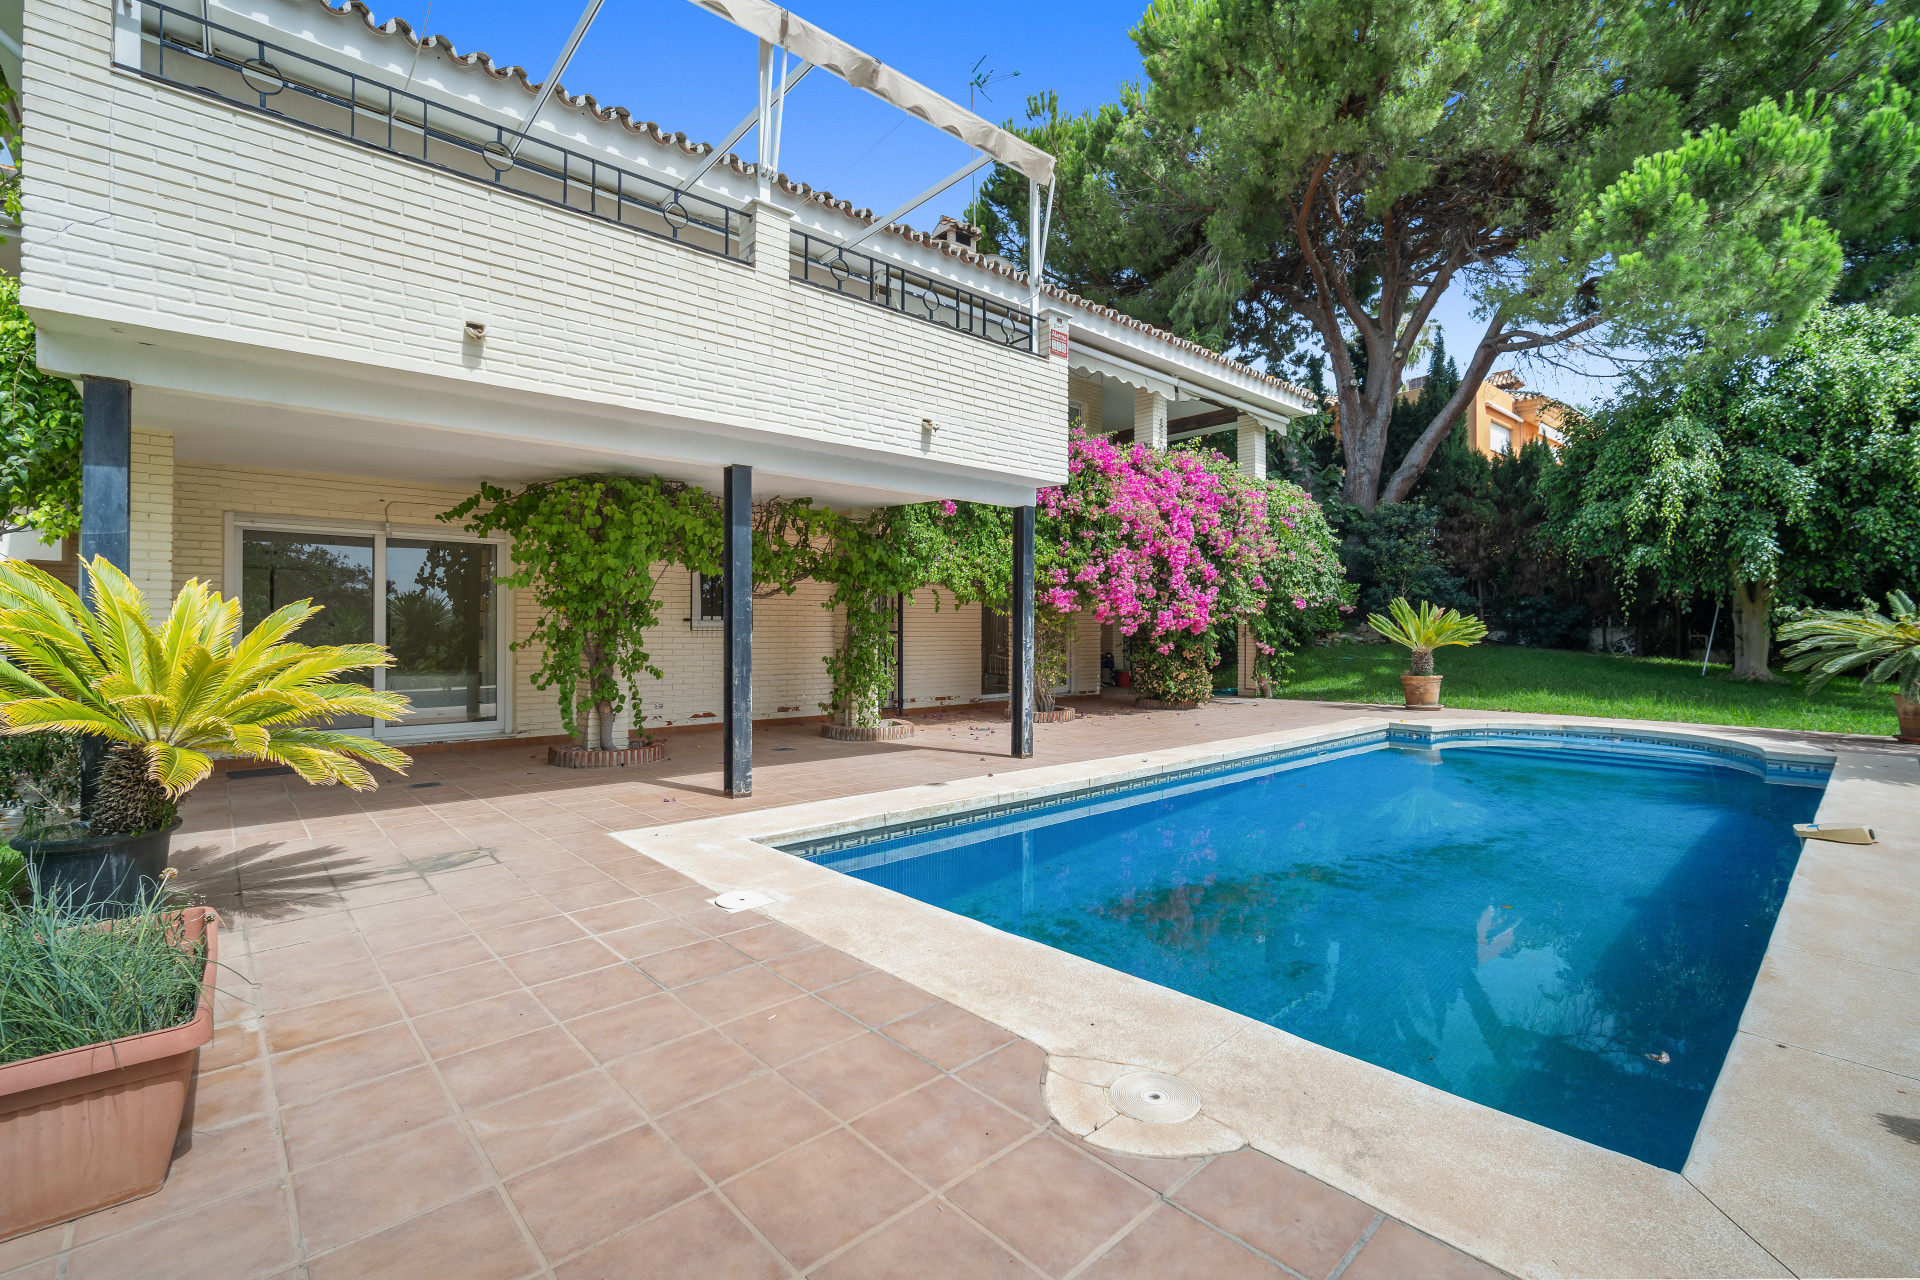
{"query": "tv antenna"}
[(979, 80)]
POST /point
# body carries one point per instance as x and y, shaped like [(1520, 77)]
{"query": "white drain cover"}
[(741, 900), (1155, 1097)]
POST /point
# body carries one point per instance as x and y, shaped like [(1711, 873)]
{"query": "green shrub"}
[(67, 979), (1184, 674)]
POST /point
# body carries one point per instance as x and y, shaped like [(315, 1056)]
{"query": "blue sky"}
[(672, 62)]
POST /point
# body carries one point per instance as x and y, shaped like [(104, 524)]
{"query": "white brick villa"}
[(321, 280)]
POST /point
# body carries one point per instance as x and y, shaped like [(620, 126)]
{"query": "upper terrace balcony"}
[(654, 184)]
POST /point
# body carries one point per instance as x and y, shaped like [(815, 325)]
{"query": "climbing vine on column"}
[(587, 547)]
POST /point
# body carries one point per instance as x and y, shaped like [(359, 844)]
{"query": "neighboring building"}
[(1502, 419), (320, 279)]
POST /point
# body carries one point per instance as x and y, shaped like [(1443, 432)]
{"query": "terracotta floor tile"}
[(663, 881), (304, 986), (858, 1075), (690, 1068), (552, 963), (652, 939), (308, 1073), (633, 1028), (469, 1026), (246, 1236), (766, 941), (934, 1242), (817, 967), (217, 1164), (354, 1118), (801, 1202), (536, 1127), (1277, 1209), (682, 965), (457, 987), (500, 915), (701, 1240), (474, 1239), (420, 933), (942, 1130), (615, 916), (1051, 1202), (329, 1020), (591, 992), (1169, 1245), (588, 895), (722, 924), (738, 1128), (403, 912), (1397, 1250), (532, 935), (947, 1035), (681, 901), (878, 998), (434, 957), (304, 957), (224, 1096), (32, 1247), (288, 933), (783, 1032), (1163, 1175), (378, 1186), (512, 1066), (1012, 1077), (584, 1198), (736, 994)]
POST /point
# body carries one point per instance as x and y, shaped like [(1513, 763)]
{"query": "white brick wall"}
[(206, 223), (150, 520), (791, 633)]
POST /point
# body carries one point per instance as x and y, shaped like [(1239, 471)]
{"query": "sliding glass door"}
[(432, 602)]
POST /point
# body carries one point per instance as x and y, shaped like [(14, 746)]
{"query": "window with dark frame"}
[(709, 600)]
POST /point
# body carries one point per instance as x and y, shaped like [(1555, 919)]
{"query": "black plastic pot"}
[(107, 872)]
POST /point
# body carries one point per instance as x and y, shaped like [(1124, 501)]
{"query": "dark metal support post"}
[(900, 654), (106, 494), (1020, 685), (737, 628), (106, 465)]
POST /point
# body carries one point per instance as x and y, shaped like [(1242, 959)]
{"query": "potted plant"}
[(164, 700), (1421, 632), (1830, 642), (99, 1025)]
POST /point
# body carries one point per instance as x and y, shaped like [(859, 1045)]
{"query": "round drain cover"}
[(1155, 1097)]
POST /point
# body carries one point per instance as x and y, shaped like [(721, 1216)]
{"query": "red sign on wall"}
[(1058, 339)]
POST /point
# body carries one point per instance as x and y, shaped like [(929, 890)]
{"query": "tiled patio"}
[(464, 1033)]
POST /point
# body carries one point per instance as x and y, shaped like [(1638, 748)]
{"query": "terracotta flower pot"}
[(1422, 692), (94, 1126), (1909, 712)]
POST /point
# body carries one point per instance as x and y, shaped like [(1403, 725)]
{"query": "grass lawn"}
[(1558, 682)]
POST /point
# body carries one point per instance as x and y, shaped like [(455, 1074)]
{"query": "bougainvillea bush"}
[(1165, 545)]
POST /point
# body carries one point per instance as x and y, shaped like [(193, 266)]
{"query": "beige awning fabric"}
[(799, 37)]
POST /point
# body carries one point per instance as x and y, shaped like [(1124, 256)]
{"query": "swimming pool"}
[(1562, 927)]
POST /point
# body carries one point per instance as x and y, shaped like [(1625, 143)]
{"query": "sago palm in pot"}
[(1421, 632), (1834, 642), (165, 700)]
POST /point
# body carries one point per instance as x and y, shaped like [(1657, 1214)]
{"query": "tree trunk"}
[(1679, 629), (1752, 630)]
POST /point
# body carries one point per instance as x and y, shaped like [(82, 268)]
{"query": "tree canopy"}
[(1788, 482), (40, 424), (1656, 176)]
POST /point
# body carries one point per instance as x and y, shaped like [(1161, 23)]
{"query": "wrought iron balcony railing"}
[(188, 51), (826, 265)]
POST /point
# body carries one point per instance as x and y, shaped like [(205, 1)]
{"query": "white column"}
[(772, 238), (1252, 446), (1149, 418)]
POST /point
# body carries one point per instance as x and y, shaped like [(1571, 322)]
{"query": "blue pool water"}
[(1529, 927)]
